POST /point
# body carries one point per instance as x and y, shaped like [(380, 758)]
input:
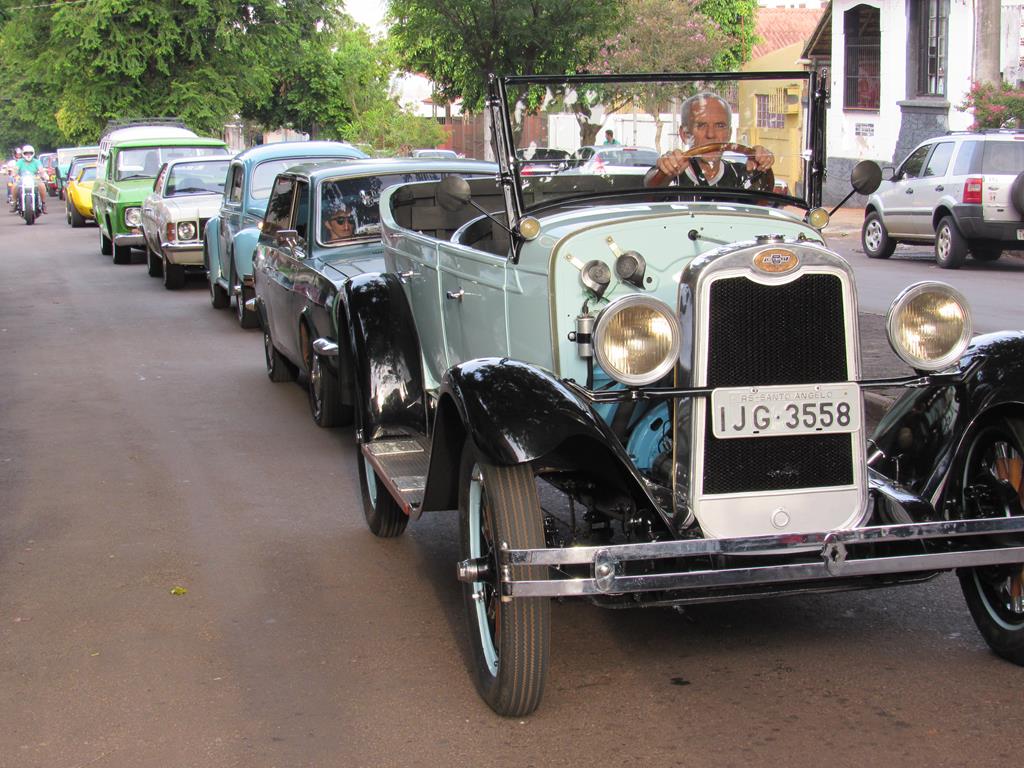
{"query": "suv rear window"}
[(1005, 158)]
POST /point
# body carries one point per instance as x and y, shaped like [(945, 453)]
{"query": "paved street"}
[(143, 450)]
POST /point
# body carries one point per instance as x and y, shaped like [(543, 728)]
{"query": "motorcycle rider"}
[(29, 163), (12, 180)]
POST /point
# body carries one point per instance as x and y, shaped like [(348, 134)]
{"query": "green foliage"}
[(390, 130), (457, 43), (736, 19), (994, 106)]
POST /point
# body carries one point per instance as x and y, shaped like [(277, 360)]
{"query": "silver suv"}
[(964, 192)]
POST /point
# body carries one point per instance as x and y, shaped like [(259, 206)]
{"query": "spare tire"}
[(1017, 194)]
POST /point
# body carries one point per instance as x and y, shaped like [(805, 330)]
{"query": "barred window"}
[(863, 57), (934, 31), (770, 109)]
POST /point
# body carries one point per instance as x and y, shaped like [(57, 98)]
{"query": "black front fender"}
[(517, 413), (921, 439)]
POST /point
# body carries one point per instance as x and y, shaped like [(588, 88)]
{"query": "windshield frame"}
[(512, 181)]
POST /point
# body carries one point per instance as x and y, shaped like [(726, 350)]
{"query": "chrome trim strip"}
[(129, 239), (325, 347)]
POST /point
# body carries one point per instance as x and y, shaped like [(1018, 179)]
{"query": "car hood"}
[(193, 206)]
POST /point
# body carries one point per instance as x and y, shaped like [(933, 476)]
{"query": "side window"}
[(939, 160), (301, 218), (968, 159), (913, 165), (279, 207), (234, 188)]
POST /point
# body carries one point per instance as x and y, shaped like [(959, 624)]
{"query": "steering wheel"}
[(762, 181)]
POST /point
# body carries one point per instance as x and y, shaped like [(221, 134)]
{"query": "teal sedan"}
[(322, 228)]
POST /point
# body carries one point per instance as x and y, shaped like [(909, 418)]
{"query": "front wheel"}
[(874, 238), (174, 275), (992, 487), (384, 517), (106, 246), (499, 507), (950, 246)]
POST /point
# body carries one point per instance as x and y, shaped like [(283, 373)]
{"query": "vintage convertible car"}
[(185, 195), (678, 363), (78, 193), (230, 236), (321, 228)]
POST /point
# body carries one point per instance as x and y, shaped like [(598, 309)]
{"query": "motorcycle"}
[(28, 198)]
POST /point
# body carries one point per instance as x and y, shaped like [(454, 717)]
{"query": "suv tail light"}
[(972, 190)]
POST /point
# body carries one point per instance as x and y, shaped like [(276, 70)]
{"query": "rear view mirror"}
[(865, 177), (453, 193)]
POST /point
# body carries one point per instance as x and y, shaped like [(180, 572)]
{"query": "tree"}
[(736, 20), (388, 128), (647, 43), (994, 106), (457, 43)]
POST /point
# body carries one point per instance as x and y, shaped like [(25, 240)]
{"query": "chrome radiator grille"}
[(776, 334)]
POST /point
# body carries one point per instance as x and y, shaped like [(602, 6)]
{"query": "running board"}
[(401, 465)]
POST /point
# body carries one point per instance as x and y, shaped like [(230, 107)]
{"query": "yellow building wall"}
[(785, 97)]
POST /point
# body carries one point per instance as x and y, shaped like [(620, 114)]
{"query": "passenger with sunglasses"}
[(338, 223)]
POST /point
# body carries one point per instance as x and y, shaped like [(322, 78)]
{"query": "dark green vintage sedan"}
[(321, 228)]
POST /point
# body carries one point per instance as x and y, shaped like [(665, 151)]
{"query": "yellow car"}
[(78, 200)]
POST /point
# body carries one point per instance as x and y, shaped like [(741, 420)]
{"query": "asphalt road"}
[(142, 450)]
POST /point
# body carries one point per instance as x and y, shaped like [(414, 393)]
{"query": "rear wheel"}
[(874, 238), (278, 367), (986, 252), (246, 317), (499, 507), (992, 487), (77, 219), (122, 254), (950, 246), (383, 516)]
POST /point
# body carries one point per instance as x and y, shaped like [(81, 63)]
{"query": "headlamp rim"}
[(900, 303), (626, 302)]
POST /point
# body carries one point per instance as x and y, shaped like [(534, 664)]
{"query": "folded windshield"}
[(706, 134)]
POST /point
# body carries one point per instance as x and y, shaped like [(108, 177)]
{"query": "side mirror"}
[(286, 237), (889, 173), (865, 177), (453, 193)]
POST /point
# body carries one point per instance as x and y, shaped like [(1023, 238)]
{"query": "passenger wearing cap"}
[(338, 222), (29, 163)]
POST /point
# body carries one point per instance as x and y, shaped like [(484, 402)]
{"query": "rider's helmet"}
[(17, 152), (28, 150)]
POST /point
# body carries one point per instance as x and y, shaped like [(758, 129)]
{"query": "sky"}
[(368, 12)]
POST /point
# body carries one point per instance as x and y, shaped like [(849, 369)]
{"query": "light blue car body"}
[(231, 236)]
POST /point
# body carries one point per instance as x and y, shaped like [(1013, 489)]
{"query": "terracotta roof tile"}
[(779, 27)]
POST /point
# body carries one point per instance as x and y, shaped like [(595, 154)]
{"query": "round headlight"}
[(929, 326), (186, 230), (636, 340), (132, 217)]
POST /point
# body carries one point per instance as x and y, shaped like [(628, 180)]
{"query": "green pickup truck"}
[(129, 159)]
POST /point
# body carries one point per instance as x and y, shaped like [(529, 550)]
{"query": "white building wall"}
[(873, 135)]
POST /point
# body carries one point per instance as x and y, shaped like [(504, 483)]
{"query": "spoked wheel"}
[(992, 487), (498, 506)]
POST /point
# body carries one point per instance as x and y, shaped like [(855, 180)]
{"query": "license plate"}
[(807, 409)]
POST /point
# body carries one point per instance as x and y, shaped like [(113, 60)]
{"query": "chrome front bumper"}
[(944, 545), (133, 240), (188, 253)]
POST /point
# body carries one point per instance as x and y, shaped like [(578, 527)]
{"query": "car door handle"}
[(910, 191), (404, 276), (455, 295), (940, 188)]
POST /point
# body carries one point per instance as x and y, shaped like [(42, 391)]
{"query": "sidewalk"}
[(845, 221)]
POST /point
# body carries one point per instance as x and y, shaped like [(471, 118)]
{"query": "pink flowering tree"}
[(994, 106), (657, 36)]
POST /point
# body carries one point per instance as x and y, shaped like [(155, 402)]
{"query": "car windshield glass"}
[(1003, 157), (145, 162), (199, 178), (88, 174), (349, 207), (742, 134), (264, 174)]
